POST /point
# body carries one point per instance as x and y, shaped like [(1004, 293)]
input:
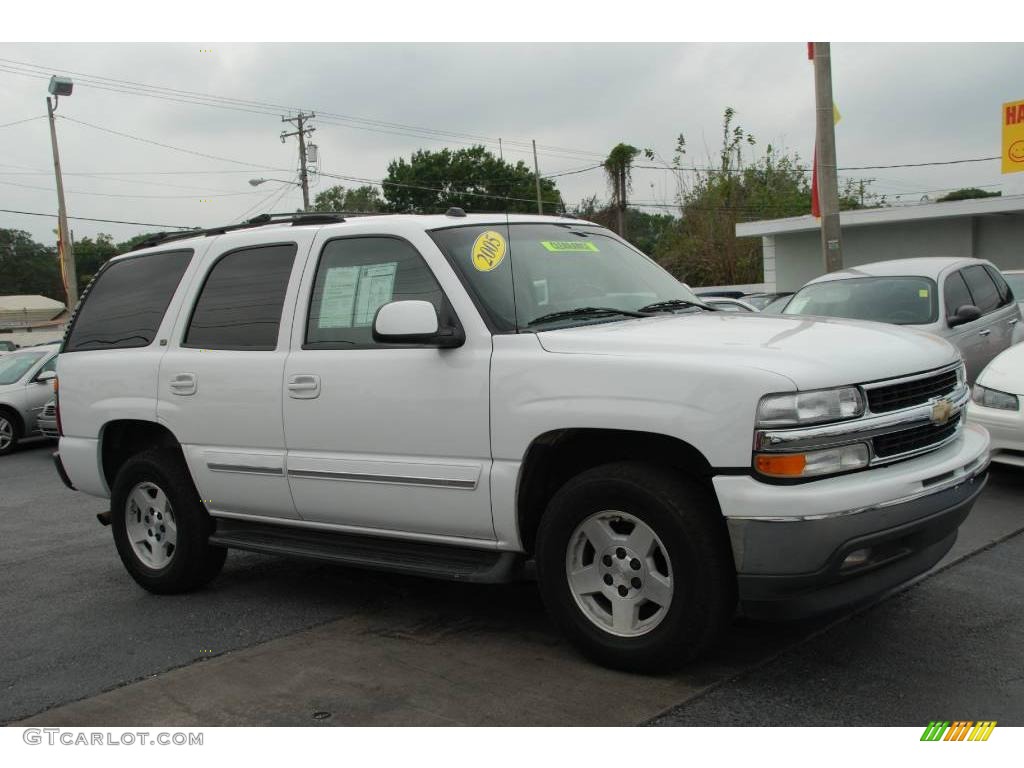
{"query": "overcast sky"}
[(899, 104)]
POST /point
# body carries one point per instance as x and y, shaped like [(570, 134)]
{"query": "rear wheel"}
[(161, 528), (9, 433), (634, 566)]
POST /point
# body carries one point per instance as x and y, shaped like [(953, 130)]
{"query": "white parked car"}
[(26, 378), (997, 405), (726, 304), (453, 396)]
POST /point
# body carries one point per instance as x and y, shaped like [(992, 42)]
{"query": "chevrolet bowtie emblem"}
[(942, 412)]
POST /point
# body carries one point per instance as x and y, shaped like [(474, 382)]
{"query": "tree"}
[(702, 247), (364, 199), (91, 254), (28, 267), (472, 179), (645, 229), (618, 168), (967, 193)]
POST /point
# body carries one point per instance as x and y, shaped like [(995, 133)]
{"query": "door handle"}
[(304, 386), (183, 384), (1014, 321), (984, 332)]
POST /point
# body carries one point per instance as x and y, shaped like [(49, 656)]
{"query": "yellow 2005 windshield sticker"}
[(923, 293), (489, 250), (571, 246)]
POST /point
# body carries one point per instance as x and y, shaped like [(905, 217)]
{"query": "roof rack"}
[(296, 220)]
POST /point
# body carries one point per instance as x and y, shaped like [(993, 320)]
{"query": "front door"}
[(385, 438)]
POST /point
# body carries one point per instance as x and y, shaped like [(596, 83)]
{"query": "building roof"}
[(18, 311), (893, 215)]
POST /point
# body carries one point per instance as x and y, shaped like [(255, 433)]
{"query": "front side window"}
[(356, 277), (126, 303), (241, 301), (16, 365), (897, 300), (984, 291), (527, 277)]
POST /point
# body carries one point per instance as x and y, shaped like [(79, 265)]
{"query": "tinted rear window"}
[(241, 301), (126, 303), (898, 300)]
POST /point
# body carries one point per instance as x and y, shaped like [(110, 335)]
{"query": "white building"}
[(28, 320), (989, 228)]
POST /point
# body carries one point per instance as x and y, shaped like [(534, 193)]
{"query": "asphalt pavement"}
[(277, 641)]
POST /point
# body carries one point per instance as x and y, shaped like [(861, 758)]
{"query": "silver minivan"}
[(965, 301)]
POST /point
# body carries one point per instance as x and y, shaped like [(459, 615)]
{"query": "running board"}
[(437, 561)]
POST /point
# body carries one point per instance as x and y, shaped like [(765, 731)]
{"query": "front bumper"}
[(791, 543), (1006, 429)]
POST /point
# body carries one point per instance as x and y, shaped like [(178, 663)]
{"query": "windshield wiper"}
[(584, 312), (671, 304)]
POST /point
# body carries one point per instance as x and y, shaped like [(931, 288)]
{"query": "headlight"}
[(813, 463), (993, 398), (801, 408)]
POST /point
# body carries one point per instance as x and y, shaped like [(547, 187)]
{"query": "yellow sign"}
[(1013, 136), (488, 251)]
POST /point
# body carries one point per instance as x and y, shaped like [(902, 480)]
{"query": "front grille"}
[(896, 443), (910, 393), (50, 411)]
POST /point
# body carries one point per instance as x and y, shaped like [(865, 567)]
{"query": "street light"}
[(62, 86), (257, 182)]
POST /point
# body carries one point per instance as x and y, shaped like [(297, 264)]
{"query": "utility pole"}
[(536, 173), (302, 131), (65, 248), (828, 179)]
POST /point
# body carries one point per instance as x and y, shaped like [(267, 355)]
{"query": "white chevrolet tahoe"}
[(459, 396)]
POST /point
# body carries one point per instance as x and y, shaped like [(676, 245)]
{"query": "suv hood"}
[(812, 352)]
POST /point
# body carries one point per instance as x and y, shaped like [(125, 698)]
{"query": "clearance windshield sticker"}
[(923, 293), (489, 250), (577, 246)]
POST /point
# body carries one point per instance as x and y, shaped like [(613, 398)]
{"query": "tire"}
[(10, 432), (155, 501), (674, 583)]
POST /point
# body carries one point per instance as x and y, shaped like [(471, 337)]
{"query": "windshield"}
[(16, 365), (898, 300), (1016, 281), (532, 276)]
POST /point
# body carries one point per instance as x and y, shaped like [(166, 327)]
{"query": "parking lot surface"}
[(276, 641)]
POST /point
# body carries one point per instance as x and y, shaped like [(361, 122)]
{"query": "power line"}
[(170, 146), (26, 120), (134, 196), (12, 66), (104, 221)]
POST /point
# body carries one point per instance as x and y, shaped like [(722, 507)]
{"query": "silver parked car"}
[(26, 378), (965, 301), (1015, 278)]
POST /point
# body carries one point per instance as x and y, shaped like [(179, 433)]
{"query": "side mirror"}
[(413, 322), (967, 313), (45, 376)]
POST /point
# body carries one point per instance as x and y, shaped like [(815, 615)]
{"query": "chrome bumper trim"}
[(938, 484)]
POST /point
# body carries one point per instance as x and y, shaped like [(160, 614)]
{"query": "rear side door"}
[(969, 337), (220, 380), (1007, 317), (386, 438), (995, 313)]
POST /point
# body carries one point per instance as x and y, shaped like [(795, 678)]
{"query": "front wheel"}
[(634, 566), (8, 433), (161, 528)]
